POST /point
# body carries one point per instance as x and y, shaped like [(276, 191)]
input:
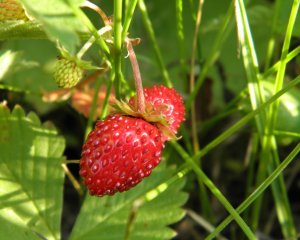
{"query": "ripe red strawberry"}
[(119, 153), (165, 101)]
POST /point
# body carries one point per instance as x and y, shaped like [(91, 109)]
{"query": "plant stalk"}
[(140, 100), (98, 10), (117, 45)]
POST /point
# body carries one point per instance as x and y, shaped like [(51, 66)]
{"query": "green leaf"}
[(141, 213), (31, 177), (11, 62), (14, 231), (289, 109), (58, 20), (283, 19), (20, 29)]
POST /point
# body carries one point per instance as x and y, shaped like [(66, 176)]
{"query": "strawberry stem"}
[(97, 9), (91, 41), (140, 104)]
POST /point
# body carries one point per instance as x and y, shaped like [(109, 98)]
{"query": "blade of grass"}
[(213, 54), (256, 96), (283, 208), (282, 64), (149, 29), (250, 61), (180, 34), (242, 122), (229, 133), (211, 186), (93, 108), (258, 191), (204, 200), (255, 90), (203, 222), (272, 40), (279, 190), (254, 145), (192, 75), (107, 94), (294, 53), (286, 134), (128, 17), (117, 66), (229, 109)]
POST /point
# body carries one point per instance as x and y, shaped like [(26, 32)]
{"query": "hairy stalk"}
[(140, 100)]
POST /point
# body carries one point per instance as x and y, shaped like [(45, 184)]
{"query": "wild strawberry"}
[(161, 100), (11, 10), (67, 73), (119, 153)]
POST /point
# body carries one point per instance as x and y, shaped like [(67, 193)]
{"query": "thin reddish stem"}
[(137, 77), (97, 9)]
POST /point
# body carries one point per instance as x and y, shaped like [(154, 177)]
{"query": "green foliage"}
[(58, 20), (11, 62), (14, 231), (246, 96), (142, 213), (19, 30), (31, 176)]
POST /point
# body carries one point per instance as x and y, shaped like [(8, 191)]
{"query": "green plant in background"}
[(232, 174)]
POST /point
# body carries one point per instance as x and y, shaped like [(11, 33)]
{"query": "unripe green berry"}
[(67, 73)]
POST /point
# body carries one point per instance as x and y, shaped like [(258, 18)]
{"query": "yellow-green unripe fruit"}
[(67, 73)]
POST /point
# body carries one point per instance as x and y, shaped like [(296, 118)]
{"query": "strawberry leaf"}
[(144, 212), (58, 20), (31, 177), (11, 62), (21, 30), (15, 231)]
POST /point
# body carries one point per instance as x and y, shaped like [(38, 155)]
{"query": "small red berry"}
[(119, 153)]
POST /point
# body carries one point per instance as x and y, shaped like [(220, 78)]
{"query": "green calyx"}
[(149, 115)]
